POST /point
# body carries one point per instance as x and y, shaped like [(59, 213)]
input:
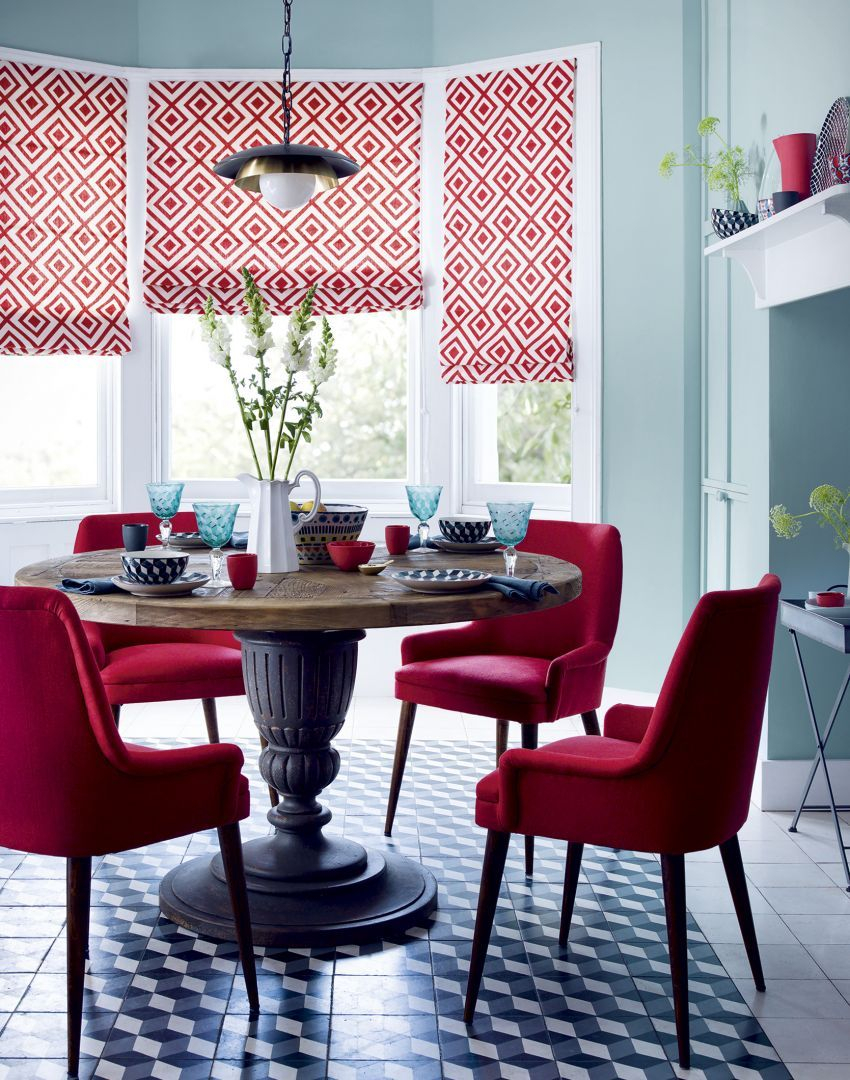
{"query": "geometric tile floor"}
[(161, 1002)]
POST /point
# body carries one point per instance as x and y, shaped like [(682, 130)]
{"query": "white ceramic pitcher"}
[(272, 531)]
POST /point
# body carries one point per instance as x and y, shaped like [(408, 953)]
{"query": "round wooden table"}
[(299, 635)]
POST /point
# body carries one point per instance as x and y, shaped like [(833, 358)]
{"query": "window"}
[(519, 433), (54, 439), (362, 435)]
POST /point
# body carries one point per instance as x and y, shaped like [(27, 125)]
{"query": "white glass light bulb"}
[(288, 191)]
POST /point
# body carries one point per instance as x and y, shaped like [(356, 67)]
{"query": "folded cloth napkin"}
[(88, 586), (414, 543), (515, 588), (239, 540)]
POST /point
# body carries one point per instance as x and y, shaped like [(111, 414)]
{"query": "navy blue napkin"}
[(88, 586), (515, 588)]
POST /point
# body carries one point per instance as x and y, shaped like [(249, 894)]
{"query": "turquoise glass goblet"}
[(165, 502), (423, 500), (510, 524), (215, 524)]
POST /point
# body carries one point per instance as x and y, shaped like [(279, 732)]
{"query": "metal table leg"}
[(820, 756)]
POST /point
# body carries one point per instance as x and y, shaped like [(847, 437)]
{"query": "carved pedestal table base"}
[(305, 887)]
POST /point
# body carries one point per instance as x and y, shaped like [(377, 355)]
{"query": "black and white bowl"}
[(150, 569), (465, 530)]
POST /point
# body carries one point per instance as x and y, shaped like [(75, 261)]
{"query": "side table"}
[(834, 634)]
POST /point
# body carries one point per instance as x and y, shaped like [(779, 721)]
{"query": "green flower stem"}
[(261, 368), (299, 431), (234, 382), (283, 408)]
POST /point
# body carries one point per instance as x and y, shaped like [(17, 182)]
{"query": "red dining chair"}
[(106, 796), (671, 779), (142, 664), (533, 668)]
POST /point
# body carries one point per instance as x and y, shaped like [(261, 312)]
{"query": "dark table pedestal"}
[(304, 887)]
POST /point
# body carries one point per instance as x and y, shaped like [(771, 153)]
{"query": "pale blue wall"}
[(785, 71), (103, 30), (650, 58)]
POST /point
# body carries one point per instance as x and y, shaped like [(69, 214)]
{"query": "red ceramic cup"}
[(349, 554), (830, 599), (242, 570), (397, 537)]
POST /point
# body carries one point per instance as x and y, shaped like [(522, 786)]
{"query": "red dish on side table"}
[(349, 554), (830, 599)]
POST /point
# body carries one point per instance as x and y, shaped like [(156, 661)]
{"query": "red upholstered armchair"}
[(106, 795), (140, 664), (670, 780), (532, 668)]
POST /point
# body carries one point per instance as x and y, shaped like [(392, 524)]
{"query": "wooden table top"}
[(315, 598)]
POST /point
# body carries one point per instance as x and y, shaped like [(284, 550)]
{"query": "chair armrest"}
[(574, 681), (439, 644), (627, 722), (144, 761)]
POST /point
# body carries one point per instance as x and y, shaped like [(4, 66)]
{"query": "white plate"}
[(432, 581), (454, 547), (182, 587), (841, 614), (186, 542)]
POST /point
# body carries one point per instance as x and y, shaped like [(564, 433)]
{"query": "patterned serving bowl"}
[(727, 223), (338, 521), (147, 569), (465, 530)]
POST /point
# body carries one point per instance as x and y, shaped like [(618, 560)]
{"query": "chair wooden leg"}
[(211, 719), (402, 746), (574, 854), (116, 714), (230, 842), (501, 738), (673, 878), (78, 878), (591, 723), (530, 733), (274, 797), (730, 852), (495, 854)]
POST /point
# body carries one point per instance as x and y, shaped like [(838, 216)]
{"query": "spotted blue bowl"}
[(154, 569)]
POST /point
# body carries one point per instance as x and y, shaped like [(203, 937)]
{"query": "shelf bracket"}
[(753, 263), (838, 207)]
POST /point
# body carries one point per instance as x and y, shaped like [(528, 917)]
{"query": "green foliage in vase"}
[(723, 170), (264, 406), (828, 504)]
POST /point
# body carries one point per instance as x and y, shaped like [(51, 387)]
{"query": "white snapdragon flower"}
[(323, 366), (217, 338), (297, 353)]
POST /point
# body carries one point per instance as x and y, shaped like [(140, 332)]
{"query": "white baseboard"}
[(782, 783)]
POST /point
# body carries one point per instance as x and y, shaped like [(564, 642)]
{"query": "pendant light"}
[(287, 174)]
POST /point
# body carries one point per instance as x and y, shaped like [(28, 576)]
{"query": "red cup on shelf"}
[(397, 537), (830, 599), (349, 554), (242, 570)]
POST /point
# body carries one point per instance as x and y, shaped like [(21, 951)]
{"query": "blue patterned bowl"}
[(338, 521), (154, 569), (465, 530)]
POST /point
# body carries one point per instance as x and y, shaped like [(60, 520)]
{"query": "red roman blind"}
[(63, 254), (508, 205), (359, 243)]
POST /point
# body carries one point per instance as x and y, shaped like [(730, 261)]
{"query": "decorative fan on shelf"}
[(834, 139)]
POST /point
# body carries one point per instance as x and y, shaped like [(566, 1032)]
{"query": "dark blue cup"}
[(135, 537)]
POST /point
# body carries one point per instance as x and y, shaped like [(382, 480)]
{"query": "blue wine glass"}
[(215, 524), (423, 500), (165, 502), (510, 524)]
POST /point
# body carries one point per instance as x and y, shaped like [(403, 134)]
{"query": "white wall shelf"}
[(803, 251)]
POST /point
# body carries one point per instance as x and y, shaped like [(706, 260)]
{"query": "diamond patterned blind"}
[(508, 206), (63, 257), (359, 243)]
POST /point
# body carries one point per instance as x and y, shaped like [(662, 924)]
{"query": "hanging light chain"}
[(286, 90)]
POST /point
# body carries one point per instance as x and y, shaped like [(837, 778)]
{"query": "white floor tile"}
[(724, 929), (778, 962), (795, 998), (820, 929), (810, 1040), (788, 875), (717, 900), (817, 1072), (833, 959), (807, 901)]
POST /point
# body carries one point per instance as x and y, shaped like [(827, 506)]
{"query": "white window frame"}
[(441, 431)]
